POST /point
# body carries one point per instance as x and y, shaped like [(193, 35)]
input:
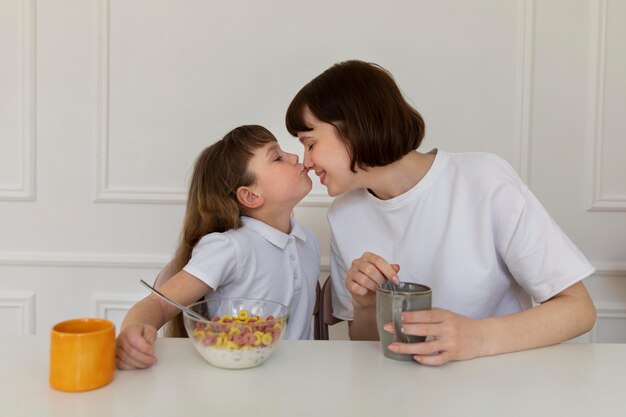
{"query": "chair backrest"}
[(328, 319), (317, 310)]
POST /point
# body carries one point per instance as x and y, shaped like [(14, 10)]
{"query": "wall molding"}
[(96, 260), (316, 199), (107, 193), (89, 260), (523, 112), (597, 201), (26, 190), (104, 192), (604, 311), (325, 265), (150, 261), (606, 269), (607, 311), (105, 303), (24, 302)]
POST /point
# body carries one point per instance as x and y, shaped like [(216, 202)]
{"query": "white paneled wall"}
[(104, 104)]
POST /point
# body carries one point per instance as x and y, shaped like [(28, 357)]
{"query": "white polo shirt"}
[(258, 261), (470, 229)]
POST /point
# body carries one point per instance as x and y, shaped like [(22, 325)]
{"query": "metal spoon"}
[(189, 311)]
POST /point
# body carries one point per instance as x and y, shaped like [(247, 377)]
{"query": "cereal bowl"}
[(238, 332)]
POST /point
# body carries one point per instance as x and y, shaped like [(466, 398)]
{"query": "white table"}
[(315, 378)]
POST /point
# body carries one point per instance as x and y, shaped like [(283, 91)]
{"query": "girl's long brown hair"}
[(212, 204)]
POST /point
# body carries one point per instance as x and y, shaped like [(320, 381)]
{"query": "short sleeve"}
[(341, 297), (314, 244), (541, 258), (213, 260)]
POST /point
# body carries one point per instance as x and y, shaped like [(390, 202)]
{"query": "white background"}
[(104, 104)]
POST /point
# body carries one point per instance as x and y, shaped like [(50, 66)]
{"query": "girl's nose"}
[(294, 158)]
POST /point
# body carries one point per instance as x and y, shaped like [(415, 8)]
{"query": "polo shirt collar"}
[(272, 235)]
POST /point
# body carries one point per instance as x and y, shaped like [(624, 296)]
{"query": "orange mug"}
[(82, 354)]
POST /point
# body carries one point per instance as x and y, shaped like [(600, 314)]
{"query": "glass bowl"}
[(239, 332)]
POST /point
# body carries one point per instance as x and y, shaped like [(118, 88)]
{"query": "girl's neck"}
[(399, 177), (279, 221)]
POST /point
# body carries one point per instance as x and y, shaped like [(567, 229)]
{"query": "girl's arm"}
[(138, 332), (182, 287), (568, 314)]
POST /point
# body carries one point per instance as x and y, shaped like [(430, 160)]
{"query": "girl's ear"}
[(248, 198)]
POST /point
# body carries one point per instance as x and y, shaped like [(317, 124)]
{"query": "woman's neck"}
[(399, 177)]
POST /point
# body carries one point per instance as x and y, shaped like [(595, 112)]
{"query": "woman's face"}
[(326, 154)]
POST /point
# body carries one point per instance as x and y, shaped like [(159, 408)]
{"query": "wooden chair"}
[(317, 316), (168, 272), (327, 317)]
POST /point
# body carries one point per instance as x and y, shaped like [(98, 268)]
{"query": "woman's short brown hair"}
[(363, 102)]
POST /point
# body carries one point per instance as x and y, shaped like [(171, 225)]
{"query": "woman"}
[(463, 224)]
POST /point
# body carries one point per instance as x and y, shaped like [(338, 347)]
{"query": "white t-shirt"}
[(258, 261), (470, 229)]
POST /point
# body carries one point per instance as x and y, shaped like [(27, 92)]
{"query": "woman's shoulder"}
[(490, 179), (481, 166), (478, 159)]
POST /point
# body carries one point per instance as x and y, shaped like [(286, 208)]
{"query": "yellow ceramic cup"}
[(82, 354)]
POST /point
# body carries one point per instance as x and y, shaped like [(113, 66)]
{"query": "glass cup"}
[(391, 301)]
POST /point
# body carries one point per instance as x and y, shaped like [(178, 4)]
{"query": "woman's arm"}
[(363, 325), (568, 314), (364, 275)]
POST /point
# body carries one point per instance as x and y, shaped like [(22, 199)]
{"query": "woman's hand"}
[(134, 347), (451, 336), (365, 274)]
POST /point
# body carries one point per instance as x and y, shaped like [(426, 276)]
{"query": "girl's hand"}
[(134, 347), (365, 274), (451, 336)]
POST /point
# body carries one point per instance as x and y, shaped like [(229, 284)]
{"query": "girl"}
[(463, 224), (238, 240)]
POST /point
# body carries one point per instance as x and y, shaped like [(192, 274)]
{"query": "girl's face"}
[(326, 154), (280, 179)]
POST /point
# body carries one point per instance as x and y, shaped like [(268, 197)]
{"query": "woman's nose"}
[(307, 162)]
